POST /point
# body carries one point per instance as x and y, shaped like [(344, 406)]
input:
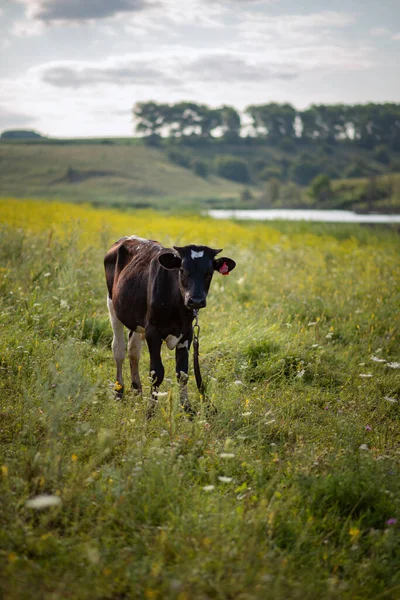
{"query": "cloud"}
[(384, 32), (379, 31), (228, 68), (146, 70), (81, 10), (119, 72)]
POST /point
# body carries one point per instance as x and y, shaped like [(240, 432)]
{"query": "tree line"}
[(366, 125)]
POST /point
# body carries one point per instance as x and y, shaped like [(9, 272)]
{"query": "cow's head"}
[(196, 265)]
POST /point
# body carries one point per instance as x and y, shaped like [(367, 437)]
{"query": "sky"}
[(75, 68)]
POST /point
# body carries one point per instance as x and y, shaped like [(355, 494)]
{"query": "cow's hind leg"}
[(182, 369), (118, 347), (154, 342), (134, 348)]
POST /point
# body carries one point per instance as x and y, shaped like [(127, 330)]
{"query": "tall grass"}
[(290, 491)]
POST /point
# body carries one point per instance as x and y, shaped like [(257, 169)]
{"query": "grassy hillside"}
[(123, 172), (104, 174), (291, 490)]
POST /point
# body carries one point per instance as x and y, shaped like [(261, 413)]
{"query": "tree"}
[(233, 168), (230, 123), (320, 188), (149, 117), (304, 169), (200, 168), (273, 121)]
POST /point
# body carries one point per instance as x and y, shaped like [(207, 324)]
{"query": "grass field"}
[(291, 490), (128, 174), (107, 175)]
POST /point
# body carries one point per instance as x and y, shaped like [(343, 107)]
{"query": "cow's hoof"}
[(136, 389)]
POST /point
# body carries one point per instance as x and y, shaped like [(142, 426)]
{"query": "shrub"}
[(357, 169), (152, 140), (179, 158), (270, 172), (304, 170), (200, 167), (382, 155), (246, 195), (233, 168), (320, 188)]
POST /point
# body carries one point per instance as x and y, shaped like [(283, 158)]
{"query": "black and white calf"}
[(153, 291)]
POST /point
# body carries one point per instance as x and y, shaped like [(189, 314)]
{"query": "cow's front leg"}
[(154, 341), (134, 348), (118, 347), (182, 369)]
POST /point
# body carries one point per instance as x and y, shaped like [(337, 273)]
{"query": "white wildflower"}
[(270, 422), (315, 346), (377, 359), (227, 455), (208, 488), (365, 375), (300, 373), (225, 479), (329, 335), (393, 365), (246, 414), (43, 501), (311, 323), (389, 399), (46, 274), (238, 382), (363, 447)]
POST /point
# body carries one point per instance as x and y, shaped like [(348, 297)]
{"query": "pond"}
[(287, 214)]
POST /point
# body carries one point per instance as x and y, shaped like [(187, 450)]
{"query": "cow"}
[(155, 292)]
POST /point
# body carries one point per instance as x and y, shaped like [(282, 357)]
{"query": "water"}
[(287, 214)]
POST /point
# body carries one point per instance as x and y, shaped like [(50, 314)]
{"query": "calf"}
[(154, 291)]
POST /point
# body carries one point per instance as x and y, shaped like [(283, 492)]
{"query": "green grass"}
[(306, 447)]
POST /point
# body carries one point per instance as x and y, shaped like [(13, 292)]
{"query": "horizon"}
[(75, 70)]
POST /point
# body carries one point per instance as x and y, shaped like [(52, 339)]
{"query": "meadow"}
[(290, 490)]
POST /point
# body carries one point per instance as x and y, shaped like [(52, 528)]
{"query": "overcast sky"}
[(76, 67)]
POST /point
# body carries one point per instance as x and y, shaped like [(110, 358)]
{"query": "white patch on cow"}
[(184, 344), (139, 329), (118, 344), (172, 341), (134, 348), (197, 254), (138, 239)]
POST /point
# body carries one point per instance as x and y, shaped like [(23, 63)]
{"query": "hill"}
[(126, 172), (112, 174)]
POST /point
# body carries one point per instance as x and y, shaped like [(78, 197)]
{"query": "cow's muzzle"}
[(196, 303)]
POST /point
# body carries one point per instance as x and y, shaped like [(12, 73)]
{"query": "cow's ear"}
[(169, 260), (224, 265)]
